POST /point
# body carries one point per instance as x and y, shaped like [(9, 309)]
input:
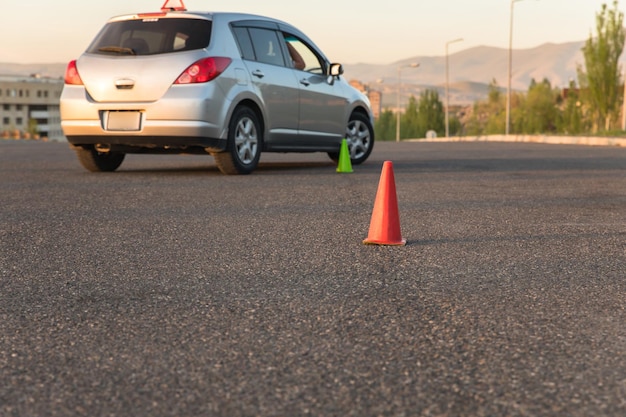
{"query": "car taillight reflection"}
[(71, 74), (203, 71)]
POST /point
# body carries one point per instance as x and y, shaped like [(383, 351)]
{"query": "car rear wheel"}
[(359, 137), (245, 139), (95, 161)]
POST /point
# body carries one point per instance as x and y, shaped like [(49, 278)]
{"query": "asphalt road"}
[(169, 289)]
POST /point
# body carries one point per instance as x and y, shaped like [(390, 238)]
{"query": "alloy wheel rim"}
[(358, 138), (246, 140)]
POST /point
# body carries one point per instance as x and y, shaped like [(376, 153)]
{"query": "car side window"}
[(277, 48), (267, 46), (302, 56), (245, 43)]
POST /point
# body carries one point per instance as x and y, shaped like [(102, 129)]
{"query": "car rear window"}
[(151, 36)]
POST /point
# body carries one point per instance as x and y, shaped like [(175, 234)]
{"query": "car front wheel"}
[(95, 161), (245, 140), (359, 137)]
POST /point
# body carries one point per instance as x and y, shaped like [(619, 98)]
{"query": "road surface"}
[(169, 289)]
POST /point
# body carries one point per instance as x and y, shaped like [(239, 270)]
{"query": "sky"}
[(348, 31)]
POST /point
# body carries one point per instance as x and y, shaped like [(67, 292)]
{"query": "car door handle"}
[(258, 73), (305, 82)]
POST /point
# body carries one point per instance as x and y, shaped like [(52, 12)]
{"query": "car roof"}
[(226, 16), (222, 17)]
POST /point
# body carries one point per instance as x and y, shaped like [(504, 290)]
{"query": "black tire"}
[(95, 161), (245, 141), (360, 138)]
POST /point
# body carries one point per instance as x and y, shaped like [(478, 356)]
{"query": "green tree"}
[(456, 128), (601, 81), (488, 117), (536, 111), (430, 114), (33, 127), (572, 119), (410, 121), (385, 126)]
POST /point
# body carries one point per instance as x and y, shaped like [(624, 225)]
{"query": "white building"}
[(29, 107)]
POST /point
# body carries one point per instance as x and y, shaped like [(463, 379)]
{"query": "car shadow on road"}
[(264, 167)]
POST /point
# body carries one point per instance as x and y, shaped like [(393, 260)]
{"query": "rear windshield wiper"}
[(117, 50)]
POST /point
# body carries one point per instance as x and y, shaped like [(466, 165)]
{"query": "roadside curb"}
[(553, 140)]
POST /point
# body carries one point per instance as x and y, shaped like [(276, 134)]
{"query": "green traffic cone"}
[(345, 165)]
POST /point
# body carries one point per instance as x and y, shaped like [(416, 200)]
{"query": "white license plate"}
[(123, 120)]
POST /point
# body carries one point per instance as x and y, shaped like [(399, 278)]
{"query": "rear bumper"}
[(183, 118)]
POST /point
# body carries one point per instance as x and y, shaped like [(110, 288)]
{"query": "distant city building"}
[(29, 107), (375, 96), (376, 100)]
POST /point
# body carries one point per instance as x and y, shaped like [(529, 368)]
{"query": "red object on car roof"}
[(170, 5)]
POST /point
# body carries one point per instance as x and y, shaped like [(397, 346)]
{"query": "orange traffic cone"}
[(385, 222)]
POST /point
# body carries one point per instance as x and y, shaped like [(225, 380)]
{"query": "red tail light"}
[(203, 71), (71, 74)]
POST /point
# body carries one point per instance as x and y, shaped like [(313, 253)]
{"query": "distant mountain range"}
[(470, 71)]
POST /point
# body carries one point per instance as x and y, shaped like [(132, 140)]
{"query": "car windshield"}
[(151, 36)]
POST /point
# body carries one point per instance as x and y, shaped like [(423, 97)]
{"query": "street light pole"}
[(624, 105), (508, 88), (447, 86), (398, 109), (413, 65)]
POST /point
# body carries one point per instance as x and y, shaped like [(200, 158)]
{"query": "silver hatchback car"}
[(229, 84)]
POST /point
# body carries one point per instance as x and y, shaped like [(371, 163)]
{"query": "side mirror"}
[(334, 71)]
